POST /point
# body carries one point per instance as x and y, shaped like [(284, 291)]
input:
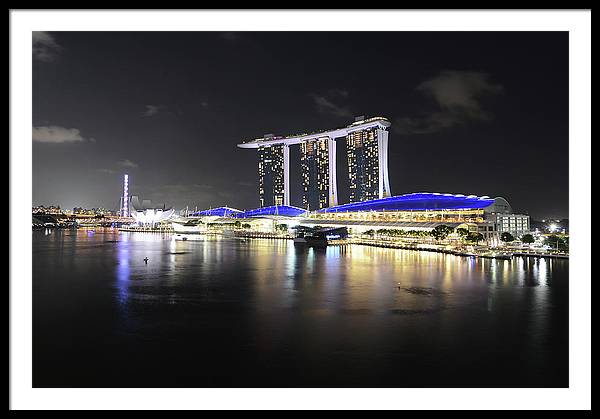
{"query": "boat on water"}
[(323, 237)]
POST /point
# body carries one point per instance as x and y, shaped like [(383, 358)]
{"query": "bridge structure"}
[(367, 141)]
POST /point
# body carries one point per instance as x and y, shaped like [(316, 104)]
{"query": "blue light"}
[(218, 212), (422, 201), (282, 210)]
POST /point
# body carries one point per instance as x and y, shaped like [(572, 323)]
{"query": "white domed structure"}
[(147, 215)]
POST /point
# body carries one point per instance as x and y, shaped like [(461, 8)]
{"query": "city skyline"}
[(373, 205), (140, 103)]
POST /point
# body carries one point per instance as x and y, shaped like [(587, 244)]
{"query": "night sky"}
[(471, 112)]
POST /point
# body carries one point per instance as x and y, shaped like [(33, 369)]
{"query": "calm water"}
[(261, 313)]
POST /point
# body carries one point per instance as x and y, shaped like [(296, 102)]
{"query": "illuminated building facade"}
[(367, 164), (217, 212), (515, 224), (414, 212), (273, 179), (417, 212), (318, 154), (315, 173), (271, 211), (147, 215)]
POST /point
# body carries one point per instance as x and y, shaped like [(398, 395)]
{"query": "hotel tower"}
[(367, 142)]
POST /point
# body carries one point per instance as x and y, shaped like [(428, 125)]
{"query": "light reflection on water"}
[(123, 272), (343, 313), (366, 274)]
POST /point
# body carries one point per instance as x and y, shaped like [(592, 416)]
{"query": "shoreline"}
[(489, 253)]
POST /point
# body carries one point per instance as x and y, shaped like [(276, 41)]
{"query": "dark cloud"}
[(128, 164), (57, 135), (44, 46), (152, 110), (458, 95), (107, 171), (329, 103)]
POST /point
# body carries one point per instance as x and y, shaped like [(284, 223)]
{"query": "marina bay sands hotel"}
[(366, 144)]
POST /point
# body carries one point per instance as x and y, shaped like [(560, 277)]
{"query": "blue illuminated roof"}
[(218, 212), (416, 202), (282, 210)]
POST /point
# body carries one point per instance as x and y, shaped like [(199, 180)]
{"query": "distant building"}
[(51, 209), (551, 225)]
